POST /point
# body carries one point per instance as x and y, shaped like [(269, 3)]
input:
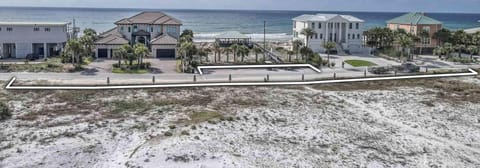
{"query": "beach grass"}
[(360, 63), (129, 71)]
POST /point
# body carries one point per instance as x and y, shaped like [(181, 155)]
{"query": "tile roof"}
[(111, 37), (414, 18), (150, 18), (164, 39), (326, 17)]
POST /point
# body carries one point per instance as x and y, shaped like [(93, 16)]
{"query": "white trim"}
[(10, 87), (199, 68)]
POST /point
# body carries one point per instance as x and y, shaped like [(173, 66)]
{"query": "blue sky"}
[(466, 6)]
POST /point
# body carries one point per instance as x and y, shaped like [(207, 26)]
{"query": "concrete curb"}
[(11, 87)]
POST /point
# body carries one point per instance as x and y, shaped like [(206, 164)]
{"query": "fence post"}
[(365, 73), (153, 79), (108, 80), (303, 77), (334, 76), (230, 78), (268, 78), (194, 78)]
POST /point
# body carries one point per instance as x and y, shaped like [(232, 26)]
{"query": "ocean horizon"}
[(208, 23)]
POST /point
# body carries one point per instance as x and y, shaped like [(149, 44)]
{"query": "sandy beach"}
[(432, 123)]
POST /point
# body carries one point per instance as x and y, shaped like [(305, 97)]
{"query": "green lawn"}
[(132, 71), (360, 63)]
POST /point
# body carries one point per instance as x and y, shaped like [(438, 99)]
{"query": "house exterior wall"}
[(337, 27), (157, 30), (23, 36), (415, 29)]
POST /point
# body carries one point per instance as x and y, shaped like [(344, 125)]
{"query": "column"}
[(326, 31), (346, 32), (109, 53), (45, 50), (341, 32), (96, 52)]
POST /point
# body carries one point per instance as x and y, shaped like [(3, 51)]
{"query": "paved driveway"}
[(165, 66)]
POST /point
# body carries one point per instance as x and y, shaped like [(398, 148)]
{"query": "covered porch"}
[(233, 37)]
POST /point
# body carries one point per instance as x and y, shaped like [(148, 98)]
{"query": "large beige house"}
[(414, 23), (43, 39), (158, 31)]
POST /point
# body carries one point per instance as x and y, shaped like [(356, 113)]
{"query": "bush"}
[(168, 134), (4, 111)]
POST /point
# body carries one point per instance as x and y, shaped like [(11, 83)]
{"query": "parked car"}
[(408, 68), (32, 57)]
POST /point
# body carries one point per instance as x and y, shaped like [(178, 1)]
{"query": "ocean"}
[(208, 23)]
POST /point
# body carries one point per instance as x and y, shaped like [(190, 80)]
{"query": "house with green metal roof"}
[(416, 22)]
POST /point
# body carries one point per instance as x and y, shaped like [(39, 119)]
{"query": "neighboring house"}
[(415, 22), (473, 30), (18, 39), (345, 30), (158, 31)]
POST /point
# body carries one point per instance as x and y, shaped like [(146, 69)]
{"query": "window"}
[(9, 29), (426, 41), (357, 25), (135, 28), (151, 29), (427, 28), (358, 36), (171, 29), (294, 25), (320, 25), (0, 29), (129, 29), (321, 36), (353, 36), (121, 29), (348, 36), (47, 29), (316, 36), (313, 25), (350, 25), (159, 29), (36, 29)]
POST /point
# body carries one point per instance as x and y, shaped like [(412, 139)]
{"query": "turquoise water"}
[(207, 23)]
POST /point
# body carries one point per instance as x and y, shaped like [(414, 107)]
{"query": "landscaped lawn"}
[(131, 71), (360, 63)]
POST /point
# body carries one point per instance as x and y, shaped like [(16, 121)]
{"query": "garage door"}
[(102, 53), (165, 53)]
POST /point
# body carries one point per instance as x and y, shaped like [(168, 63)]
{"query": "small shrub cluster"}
[(4, 111)]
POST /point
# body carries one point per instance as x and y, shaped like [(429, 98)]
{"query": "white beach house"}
[(345, 30), (158, 31), (18, 39)]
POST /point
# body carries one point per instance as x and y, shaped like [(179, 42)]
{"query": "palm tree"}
[(297, 44), (404, 42), (227, 51), (329, 46), (308, 32), (186, 48), (305, 52), (257, 50), (290, 53), (234, 49), (472, 50), (476, 40), (424, 35), (459, 48), (218, 50), (120, 54), (443, 35), (448, 48), (74, 47), (243, 51), (207, 52), (141, 51)]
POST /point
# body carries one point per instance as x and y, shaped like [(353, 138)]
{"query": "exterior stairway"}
[(340, 50)]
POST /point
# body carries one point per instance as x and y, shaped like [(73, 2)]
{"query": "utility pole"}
[(264, 39)]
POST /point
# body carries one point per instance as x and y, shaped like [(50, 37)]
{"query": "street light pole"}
[(264, 39)]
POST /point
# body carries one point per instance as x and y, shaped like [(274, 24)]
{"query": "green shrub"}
[(4, 111), (168, 134)]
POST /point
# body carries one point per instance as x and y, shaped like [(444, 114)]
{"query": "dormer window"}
[(36, 29)]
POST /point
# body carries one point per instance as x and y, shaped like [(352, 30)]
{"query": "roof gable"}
[(322, 17), (164, 39)]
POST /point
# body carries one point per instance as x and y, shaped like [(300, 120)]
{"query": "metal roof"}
[(321, 17), (34, 23), (231, 35), (414, 18)]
